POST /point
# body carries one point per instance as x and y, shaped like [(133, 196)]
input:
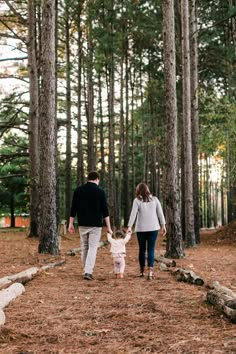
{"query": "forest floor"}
[(60, 312)]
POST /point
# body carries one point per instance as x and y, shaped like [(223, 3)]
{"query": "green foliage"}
[(13, 174), (217, 123)]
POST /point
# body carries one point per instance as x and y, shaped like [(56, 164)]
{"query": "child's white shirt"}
[(118, 245)]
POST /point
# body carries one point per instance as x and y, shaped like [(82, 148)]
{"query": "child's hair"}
[(119, 234)]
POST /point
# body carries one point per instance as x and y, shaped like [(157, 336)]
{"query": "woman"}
[(148, 217)]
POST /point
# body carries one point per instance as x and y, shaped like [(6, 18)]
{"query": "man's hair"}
[(92, 176)]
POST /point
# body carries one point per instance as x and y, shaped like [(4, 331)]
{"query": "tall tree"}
[(33, 119), (194, 113), (187, 141), (174, 246), (48, 241), (90, 88), (68, 182), (80, 166)]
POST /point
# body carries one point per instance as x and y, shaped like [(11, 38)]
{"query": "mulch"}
[(60, 312)]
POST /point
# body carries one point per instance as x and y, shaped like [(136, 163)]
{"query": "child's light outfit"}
[(118, 251)]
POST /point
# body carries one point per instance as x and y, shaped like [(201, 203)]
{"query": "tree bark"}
[(194, 114), (33, 120), (90, 95), (48, 242), (223, 299), (186, 95), (68, 182), (174, 247), (80, 166), (188, 276)]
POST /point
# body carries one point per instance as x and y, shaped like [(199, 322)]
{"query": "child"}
[(118, 251)]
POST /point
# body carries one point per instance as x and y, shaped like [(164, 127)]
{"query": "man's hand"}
[(109, 230), (71, 229)]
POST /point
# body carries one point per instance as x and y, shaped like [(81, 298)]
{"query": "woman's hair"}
[(142, 192)]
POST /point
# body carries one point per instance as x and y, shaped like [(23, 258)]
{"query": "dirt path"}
[(62, 313)]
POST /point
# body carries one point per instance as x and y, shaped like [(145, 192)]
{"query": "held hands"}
[(129, 230), (109, 231)]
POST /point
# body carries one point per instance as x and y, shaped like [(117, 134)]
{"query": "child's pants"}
[(119, 262)]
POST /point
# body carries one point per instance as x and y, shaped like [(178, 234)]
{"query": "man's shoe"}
[(88, 276)]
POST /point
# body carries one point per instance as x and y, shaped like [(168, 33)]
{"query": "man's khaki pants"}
[(89, 239)]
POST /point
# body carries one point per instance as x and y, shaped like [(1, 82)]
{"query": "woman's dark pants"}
[(147, 242)]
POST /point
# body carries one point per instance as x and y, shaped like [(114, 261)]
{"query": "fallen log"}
[(11, 293), (16, 289), (168, 262), (78, 250), (21, 277), (52, 265), (7, 295), (2, 318), (26, 275), (5, 282), (223, 299), (187, 276)]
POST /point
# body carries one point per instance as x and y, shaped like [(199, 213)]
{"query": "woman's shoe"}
[(150, 274), (142, 273)]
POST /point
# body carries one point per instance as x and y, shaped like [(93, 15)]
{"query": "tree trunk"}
[(33, 120), (90, 130), (12, 208), (126, 143), (174, 247), (121, 134), (103, 172), (111, 177), (80, 165), (186, 96), (68, 183), (48, 242), (194, 115)]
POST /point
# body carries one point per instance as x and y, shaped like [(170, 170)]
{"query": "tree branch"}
[(21, 18), (13, 77), (15, 34), (15, 175), (202, 30), (16, 58), (9, 157)]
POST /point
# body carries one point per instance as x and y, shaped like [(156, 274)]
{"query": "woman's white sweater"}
[(147, 216)]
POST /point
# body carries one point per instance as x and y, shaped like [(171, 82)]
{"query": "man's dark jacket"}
[(90, 204)]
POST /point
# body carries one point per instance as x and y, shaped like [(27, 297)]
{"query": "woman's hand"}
[(163, 230), (129, 230)]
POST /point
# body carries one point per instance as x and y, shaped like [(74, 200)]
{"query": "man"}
[(90, 205)]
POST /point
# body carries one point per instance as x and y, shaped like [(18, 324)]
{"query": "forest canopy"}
[(103, 85)]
